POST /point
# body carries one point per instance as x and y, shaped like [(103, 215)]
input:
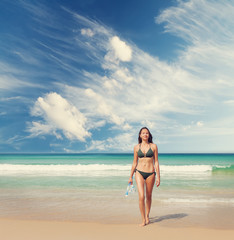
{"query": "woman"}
[(145, 163)]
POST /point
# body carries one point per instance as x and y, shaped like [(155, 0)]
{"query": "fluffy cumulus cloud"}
[(121, 50), (58, 116)]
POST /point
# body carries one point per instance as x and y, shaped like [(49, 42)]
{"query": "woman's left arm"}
[(156, 162)]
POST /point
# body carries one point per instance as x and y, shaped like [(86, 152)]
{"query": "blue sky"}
[(85, 76)]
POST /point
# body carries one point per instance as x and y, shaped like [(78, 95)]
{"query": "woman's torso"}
[(145, 159)]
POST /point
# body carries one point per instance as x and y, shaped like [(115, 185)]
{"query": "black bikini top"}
[(149, 153)]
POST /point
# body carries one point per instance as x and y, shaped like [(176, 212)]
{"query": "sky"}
[(85, 76)]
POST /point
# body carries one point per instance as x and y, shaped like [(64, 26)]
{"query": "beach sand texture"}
[(51, 230)]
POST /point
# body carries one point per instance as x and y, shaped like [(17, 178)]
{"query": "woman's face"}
[(144, 134)]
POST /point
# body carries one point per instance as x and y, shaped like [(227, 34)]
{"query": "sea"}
[(92, 187)]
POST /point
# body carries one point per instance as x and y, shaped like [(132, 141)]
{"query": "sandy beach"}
[(12, 229)]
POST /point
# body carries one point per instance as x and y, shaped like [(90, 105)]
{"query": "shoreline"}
[(163, 216), (12, 229), (110, 209)]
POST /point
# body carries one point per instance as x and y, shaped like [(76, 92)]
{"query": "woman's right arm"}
[(134, 165)]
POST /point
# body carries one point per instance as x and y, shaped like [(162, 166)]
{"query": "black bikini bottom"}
[(145, 175)]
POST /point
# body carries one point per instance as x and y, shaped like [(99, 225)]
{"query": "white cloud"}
[(26, 57), (12, 77), (58, 115), (231, 102), (123, 142), (197, 20), (209, 51), (87, 31), (111, 84), (8, 82), (149, 124), (38, 128), (119, 50), (102, 107), (123, 75)]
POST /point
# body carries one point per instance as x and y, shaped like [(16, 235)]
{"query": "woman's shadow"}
[(167, 217)]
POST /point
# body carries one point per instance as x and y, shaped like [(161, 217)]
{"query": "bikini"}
[(149, 153)]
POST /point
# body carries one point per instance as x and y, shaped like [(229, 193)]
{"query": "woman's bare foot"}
[(142, 224), (147, 220)]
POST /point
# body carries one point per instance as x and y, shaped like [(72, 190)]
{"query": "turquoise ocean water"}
[(71, 186)]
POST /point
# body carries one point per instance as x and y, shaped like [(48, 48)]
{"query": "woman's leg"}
[(149, 188), (140, 186)]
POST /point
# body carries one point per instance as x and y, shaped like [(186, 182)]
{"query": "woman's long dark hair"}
[(150, 140)]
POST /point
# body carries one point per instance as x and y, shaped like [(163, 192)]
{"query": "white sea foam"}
[(65, 170), (186, 169), (96, 170), (199, 200)]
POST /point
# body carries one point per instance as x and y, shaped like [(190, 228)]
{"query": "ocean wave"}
[(104, 169), (64, 170), (186, 169), (223, 170)]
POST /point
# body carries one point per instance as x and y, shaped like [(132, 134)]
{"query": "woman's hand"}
[(130, 180), (157, 182)]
